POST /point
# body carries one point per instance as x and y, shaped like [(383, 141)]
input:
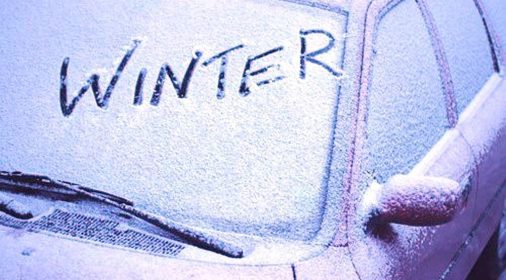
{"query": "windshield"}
[(219, 113)]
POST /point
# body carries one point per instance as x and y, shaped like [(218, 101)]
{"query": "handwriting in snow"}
[(181, 86)]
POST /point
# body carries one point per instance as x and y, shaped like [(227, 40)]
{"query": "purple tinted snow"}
[(254, 164), (466, 46), (407, 113)]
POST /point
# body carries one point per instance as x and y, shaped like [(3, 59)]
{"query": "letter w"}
[(93, 81)]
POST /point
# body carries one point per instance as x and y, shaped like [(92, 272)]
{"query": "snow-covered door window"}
[(406, 103), (496, 11), (466, 45)]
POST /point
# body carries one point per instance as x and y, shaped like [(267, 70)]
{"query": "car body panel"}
[(399, 252), (38, 256)]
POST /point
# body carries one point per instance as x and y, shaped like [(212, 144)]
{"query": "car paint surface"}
[(398, 252)]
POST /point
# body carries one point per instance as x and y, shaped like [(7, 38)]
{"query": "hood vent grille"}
[(81, 227)]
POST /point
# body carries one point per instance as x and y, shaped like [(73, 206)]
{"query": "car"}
[(295, 140)]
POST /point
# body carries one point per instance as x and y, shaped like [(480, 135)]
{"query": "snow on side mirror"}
[(413, 200)]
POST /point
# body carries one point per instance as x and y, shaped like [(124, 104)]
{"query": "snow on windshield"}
[(218, 114)]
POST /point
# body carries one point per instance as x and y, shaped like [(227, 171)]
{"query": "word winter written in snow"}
[(181, 87)]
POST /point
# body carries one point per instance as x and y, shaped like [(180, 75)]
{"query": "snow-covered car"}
[(250, 139)]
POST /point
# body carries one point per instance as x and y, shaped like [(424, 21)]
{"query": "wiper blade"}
[(198, 239), (34, 182), (11, 207)]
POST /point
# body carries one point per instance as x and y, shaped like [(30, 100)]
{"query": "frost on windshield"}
[(218, 114)]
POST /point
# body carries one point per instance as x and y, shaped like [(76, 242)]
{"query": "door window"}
[(496, 10), (406, 109), (466, 46)]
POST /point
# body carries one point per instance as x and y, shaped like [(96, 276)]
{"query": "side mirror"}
[(413, 200)]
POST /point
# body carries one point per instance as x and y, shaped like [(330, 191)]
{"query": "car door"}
[(473, 54), (413, 118)]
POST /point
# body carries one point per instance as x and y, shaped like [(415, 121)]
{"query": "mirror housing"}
[(413, 200)]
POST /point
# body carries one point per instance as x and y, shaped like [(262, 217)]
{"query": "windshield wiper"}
[(43, 183)]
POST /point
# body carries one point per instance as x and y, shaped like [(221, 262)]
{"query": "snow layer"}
[(407, 112), (398, 251), (249, 164), (419, 200), (39, 256), (495, 10), (466, 46), (14, 208)]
